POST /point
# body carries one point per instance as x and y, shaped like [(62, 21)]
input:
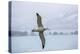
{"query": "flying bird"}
[(41, 30)]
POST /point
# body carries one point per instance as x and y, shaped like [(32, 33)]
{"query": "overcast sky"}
[(54, 16)]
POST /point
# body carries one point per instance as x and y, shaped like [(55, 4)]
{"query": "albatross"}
[(41, 30)]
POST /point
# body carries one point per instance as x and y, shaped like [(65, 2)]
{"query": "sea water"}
[(53, 42)]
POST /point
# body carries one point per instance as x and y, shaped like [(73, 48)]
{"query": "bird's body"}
[(41, 30)]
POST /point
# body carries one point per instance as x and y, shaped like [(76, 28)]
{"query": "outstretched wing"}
[(39, 21), (42, 39)]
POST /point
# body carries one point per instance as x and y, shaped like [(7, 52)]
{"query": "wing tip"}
[(42, 46), (37, 14)]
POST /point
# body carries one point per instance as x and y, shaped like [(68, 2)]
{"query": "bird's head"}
[(46, 28)]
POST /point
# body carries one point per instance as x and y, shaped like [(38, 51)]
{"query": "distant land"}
[(26, 33)]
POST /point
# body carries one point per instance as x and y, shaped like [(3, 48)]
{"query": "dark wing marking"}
[(42, 39), (39, 21)]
